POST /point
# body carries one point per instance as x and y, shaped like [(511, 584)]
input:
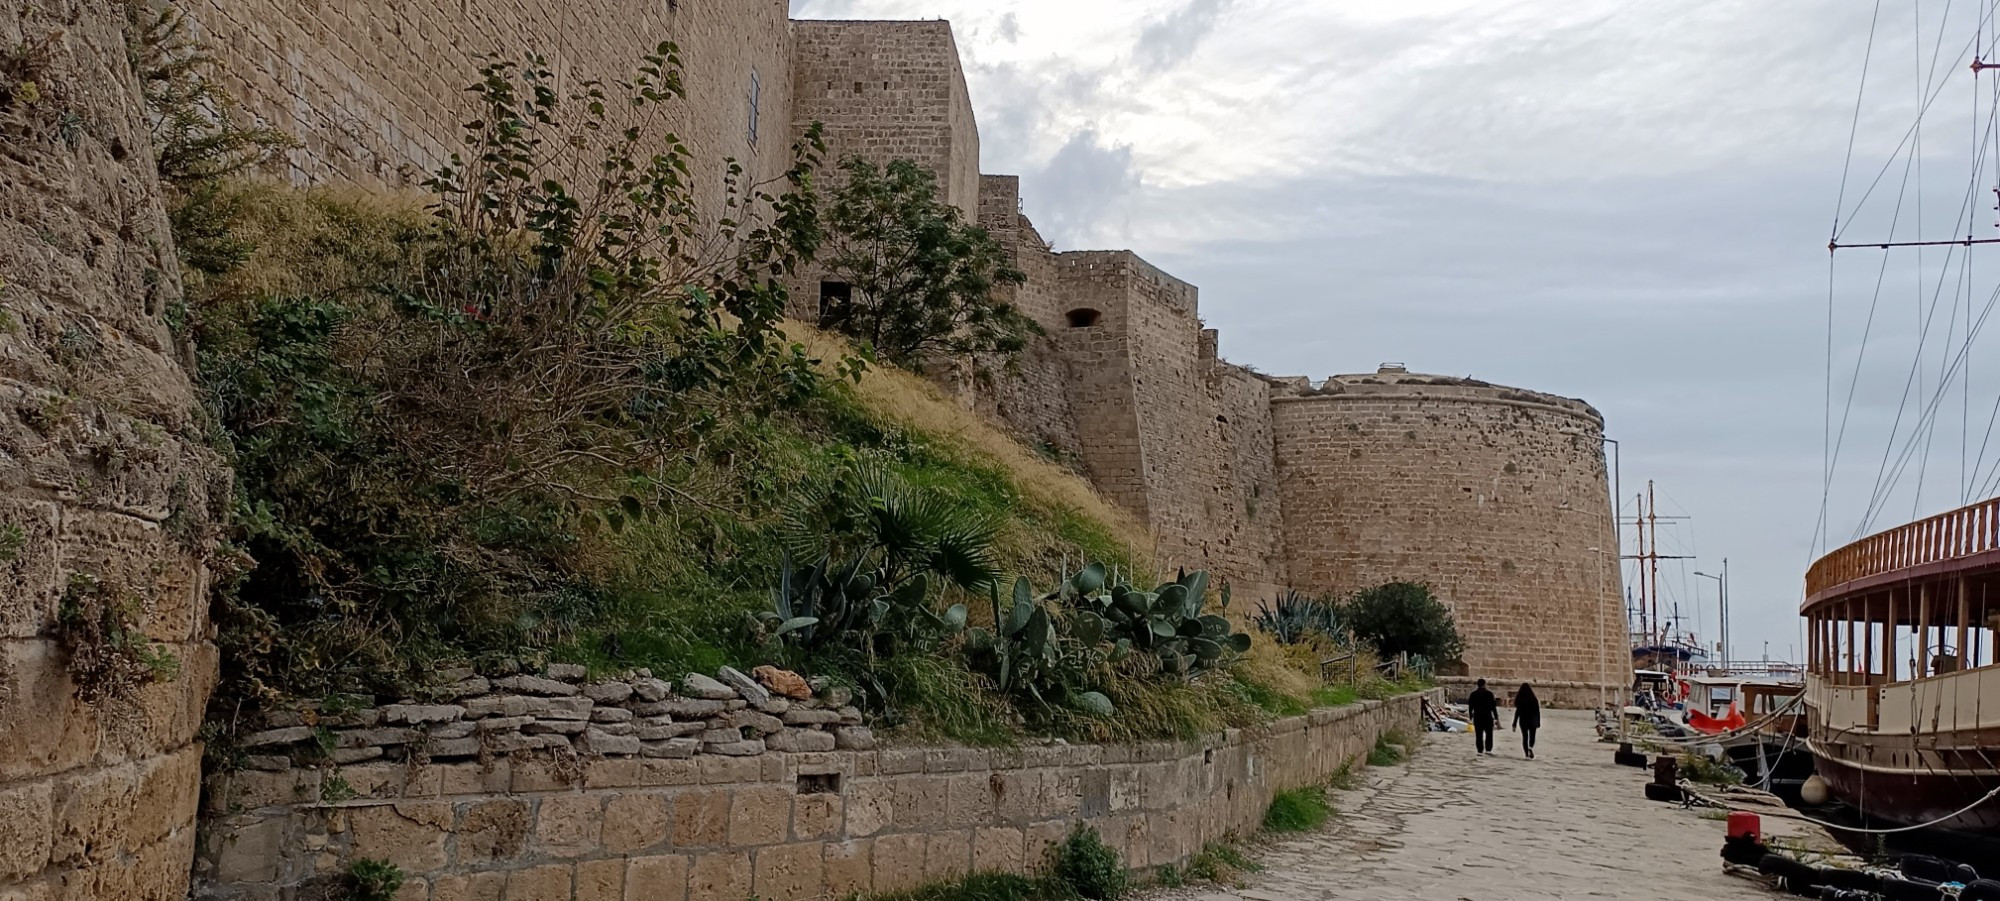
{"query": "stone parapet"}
[(779, 826)]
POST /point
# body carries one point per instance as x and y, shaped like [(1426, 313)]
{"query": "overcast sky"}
[(1627, 201)]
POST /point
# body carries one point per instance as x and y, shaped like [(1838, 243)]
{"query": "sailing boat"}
[(1902, 688)]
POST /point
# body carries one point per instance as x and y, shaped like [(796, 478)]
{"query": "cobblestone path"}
[(1455, 827)]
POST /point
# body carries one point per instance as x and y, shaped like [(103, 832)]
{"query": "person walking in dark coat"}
[(1527, 717), (1485, 715)]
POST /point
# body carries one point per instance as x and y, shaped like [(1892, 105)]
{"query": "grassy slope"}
[(680, 585)]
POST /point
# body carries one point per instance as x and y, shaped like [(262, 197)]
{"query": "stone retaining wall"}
[(1554, 695), (532, 825)]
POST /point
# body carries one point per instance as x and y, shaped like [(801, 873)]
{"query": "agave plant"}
[(849, 607), (1296, 617)]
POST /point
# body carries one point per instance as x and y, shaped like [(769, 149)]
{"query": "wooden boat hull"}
[(1912, 797)]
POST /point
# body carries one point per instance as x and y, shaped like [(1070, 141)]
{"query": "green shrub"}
[(1297, 810), (1298, 618), (1089, 867), (983, 887), (373, 880), (1404, 618), (1701, 768)]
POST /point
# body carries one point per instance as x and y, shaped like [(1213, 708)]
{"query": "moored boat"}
[(1902, 687)]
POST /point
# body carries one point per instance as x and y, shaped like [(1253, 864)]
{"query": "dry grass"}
[(919, 405)]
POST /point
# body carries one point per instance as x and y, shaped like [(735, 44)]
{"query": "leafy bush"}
[(1704, 769), (373, 880), (1297, 810), (1089, 867), (1297, 618), (921, 280), (1389, 750), (1404, 618), (439, 453)]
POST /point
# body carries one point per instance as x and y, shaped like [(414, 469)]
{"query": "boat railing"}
[(1968, 530), (1942, 703)]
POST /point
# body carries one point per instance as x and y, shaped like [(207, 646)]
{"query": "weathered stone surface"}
[(468, 687), (504, 723), (611, 715), (800, 740), (696, 685), (535, 685), (361, 738), (616, 728), (505, 705), (746, 687), (854, 738), (635, 821), (761, 723), (414, 714), (650, 689), (608, 692), (345, 756), (568, 672), (803, 717), (459, 729), (453, 747), (850, 716), (670, 730), (836, 696), (272, 737), (747, 748), (681, 708), (603, 742), (783, 682), (555, 727), (568, 709), (675, 748)]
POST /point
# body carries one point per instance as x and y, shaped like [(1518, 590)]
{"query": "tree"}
[(1404, 617), (920, 279)]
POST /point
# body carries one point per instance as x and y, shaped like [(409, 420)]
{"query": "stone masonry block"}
[(922, 802), (947, 855), (635, 821), (545, 883), (25, 836), (817, 816), (492, 830), (601, 880), (661, 878), (569, 825), (849, 867), (720, 874), (760, 816), (899, 862), (998, 850), (701, 818), (29, 583), (794, 872), (410, 835), (485, 886)]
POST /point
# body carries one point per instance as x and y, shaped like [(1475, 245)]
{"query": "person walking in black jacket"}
[(1527, 717), (1485, 715)]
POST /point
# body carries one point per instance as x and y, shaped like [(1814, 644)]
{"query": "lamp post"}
[(1722, 606)]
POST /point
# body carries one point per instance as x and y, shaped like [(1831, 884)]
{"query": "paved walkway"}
[(1450, 826)]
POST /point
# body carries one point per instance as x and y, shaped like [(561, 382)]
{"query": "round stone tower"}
[(1496, 497)]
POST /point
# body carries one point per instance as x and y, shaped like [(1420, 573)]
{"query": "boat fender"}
[(1814, 791), (1668, 793), (1896, 889), (1795, 877), (1964, 872), (1744, 850), (1925, 867), (1830, 893), (1857, 880), (1980, 890)]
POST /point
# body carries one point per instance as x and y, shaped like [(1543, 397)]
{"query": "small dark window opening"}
[(819, 784), (1083, 318), (833, 296)]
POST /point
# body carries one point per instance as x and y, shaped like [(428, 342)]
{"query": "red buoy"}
[(1745, 824)]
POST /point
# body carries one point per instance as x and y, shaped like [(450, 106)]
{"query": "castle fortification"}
[(1496, 497)]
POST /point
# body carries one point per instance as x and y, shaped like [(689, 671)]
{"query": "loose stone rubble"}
[(470, 716)]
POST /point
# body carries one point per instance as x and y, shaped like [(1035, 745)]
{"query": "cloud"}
[(1172, 40), (1083, 183), (1010, 28)]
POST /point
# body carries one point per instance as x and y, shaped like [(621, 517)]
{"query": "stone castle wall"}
[(376, 92), (103, 477), (779, 826), (1495, 497)]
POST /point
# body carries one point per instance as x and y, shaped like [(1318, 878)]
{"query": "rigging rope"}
[(1995, 793)]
